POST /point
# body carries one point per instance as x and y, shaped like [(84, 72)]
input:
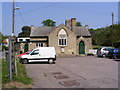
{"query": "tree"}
[(78, 24), (106, 36), (48, 22), (1, 37), (25, 32)]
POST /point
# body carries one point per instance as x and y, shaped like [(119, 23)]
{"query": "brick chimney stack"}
[(73, 25)]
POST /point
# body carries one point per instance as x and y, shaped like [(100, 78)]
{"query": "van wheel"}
[(50, 61), (25, 61), (103, 55)]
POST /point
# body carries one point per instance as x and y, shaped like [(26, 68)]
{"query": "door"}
[(25, 47), (81, 47), (36, 56)]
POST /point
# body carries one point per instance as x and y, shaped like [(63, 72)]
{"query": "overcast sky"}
[(94, 14)]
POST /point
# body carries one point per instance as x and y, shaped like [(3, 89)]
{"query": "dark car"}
[(114, 53), (117, 56)]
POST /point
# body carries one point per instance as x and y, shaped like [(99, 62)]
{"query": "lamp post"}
[(13, 15), (11, 44)]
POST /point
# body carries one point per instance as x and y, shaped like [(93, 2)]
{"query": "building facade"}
[(67, 39)]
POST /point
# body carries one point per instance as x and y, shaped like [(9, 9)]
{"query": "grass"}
[(21, 75)]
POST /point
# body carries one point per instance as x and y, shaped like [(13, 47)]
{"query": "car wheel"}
[(103, 55), (25, 61), (50, 61)]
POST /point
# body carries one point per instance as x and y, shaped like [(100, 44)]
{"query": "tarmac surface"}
[(76, 72)]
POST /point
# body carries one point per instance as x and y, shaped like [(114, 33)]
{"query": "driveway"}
[(77, 72)]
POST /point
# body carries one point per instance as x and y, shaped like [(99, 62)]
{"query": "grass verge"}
[(21, 77)]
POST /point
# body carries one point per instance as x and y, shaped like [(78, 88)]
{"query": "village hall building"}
[(67, 39)]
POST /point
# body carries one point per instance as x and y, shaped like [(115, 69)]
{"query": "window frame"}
[(62, 38)]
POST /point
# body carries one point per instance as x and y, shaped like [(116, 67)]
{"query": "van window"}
[(35, 52)]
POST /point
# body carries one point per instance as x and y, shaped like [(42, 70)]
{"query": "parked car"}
[(117, 56), (24, 53), (103, 51), (41, 54), (112, 53)]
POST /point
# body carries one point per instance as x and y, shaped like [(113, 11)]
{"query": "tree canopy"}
[(106, 36), (48, 22), (25, 32)]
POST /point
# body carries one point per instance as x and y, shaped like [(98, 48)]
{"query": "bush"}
[(90, 54)]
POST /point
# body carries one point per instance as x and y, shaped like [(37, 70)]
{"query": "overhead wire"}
[(21, 14)]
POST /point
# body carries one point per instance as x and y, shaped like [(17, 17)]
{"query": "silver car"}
[(103, 51)]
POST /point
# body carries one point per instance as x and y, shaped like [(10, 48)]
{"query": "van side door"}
[(34, 55)]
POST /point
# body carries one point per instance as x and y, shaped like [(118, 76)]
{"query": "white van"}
[(41, 54)]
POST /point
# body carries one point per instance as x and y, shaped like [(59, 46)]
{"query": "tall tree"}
[(48, 22)]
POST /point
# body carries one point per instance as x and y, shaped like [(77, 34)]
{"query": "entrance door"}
[(81, 47), (25, 47)]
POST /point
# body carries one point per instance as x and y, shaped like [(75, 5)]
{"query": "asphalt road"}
[(77, 72)]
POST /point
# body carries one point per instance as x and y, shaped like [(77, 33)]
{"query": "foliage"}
[(105, 36), (5, 72), (78, 24), (4, 48), (48, 22), (90, 54), (1, 37), (21, 75), (25, 32)]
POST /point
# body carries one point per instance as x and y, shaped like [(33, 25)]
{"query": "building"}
[(67, 39)]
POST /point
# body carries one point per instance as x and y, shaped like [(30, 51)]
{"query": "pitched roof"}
[(44, 31), (82, 31), (41, 31)]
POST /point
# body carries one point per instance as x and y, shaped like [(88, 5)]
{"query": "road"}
[(77, 72)]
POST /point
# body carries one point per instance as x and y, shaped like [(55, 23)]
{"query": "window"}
[(39, 44), (20, 40), (62, 38), (35, 52)]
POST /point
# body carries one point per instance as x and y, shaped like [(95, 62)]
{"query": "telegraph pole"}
[(13, 15), (112, 18), (10, 44)]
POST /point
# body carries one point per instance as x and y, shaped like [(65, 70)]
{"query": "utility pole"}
[(10, 44), (112, 18), (14, 53), (13, 15)]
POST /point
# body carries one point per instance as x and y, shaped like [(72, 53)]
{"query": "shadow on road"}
[(118, 60)]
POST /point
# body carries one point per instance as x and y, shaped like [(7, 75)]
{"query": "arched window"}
[(62, 38)]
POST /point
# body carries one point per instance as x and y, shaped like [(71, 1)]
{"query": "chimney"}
[(68, 23), (73, 25), (86, 26)]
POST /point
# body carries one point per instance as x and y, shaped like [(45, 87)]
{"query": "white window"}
[(39, 44), (62, 38)]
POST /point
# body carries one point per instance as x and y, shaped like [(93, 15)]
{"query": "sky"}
[(94, 14)]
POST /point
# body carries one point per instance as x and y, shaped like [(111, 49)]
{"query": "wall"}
[(71, 41), (88, 44)]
